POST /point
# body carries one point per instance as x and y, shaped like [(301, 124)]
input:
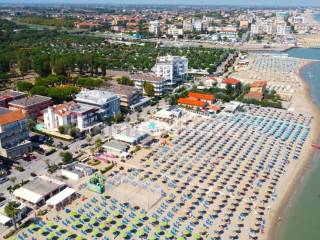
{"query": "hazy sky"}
[(195, 2)]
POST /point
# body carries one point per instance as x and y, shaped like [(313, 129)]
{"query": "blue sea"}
[(317, 17), (302, 217)]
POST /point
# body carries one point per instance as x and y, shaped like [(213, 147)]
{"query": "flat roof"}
[(11, 93), (96, 97), (117, 145), (36, 189), (61, 196), (152, 77), (29, 101)]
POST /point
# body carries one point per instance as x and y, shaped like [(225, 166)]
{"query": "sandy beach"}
[(301, 167)]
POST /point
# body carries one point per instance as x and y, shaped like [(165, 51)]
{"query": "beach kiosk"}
[(96, 183)]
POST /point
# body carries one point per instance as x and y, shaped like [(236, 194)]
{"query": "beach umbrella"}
[(197, 236), (152, 238), (84, 228), (92, 221), (164, 224), (116, 213), (119, 223), (113, 229), (136, 221), (79, 238), (109, 219), (153, 219), (141, 232), (180, 238), (74, 214), (159, 231), (186, 233), (102, 225), (169, 235), (123, 234), (142, 216)]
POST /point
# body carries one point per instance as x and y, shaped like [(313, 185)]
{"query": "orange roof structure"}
[(191, 102), (231, 81), (260, 83), (201, 96), (10, 117)]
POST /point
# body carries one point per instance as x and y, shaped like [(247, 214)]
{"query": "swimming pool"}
[(39, 127), (152, 125)]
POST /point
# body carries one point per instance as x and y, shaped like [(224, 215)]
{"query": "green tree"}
[(61, 129), (31, 124), (24, 86), (148, 89), (98, 143), (39, 90), (4, 64), (41, 65), (125, 81), (74, 131), (66, 157), (229, 89), (118, 117), (12, 210), (23, 64)]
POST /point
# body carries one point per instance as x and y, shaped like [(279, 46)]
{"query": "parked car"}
[(3, 179)]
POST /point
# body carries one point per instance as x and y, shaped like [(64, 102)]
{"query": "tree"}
[(59, 68), (98, 143), (66, 157), (74, 131), (4, 65), (31, 124), (39, 90), (24, 86), (125, 81), (12, 210), (23, 65), (61, 129), (118, 117), (148, 89), (229, 89), (41, 65), (238, 88)]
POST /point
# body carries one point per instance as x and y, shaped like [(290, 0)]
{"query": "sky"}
[(192, 2)]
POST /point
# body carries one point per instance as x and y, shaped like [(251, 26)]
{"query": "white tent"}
[(28, 195), (61, 196)]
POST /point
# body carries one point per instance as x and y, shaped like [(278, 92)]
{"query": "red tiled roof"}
[(11, 117), (231, 81), (190, 101), (201, 96), (260, 83)]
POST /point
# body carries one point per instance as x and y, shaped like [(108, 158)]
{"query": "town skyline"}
[(251, 3)]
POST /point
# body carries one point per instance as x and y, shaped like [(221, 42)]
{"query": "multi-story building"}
[(14, 134), (187, 25), (75, 114), (175, 31), (198, 25), (31, 106), (128, 95), (154, 27), (107, 102), (172, 68), (159, 83)]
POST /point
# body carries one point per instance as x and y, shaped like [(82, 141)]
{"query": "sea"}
[(301, 219)]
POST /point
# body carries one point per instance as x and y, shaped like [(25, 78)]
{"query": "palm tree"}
[(12, 210)]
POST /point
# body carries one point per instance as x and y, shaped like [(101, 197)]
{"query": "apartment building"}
[(75, 114), (172, 68), (14, 134), (159, 83), (107, 102), (154, 27)]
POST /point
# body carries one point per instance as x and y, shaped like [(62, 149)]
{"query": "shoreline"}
[(300, 168)]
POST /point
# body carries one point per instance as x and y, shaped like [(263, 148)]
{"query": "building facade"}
[(159, 83), (172, 68), (107, 102), (75, 114), (14, 134)]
